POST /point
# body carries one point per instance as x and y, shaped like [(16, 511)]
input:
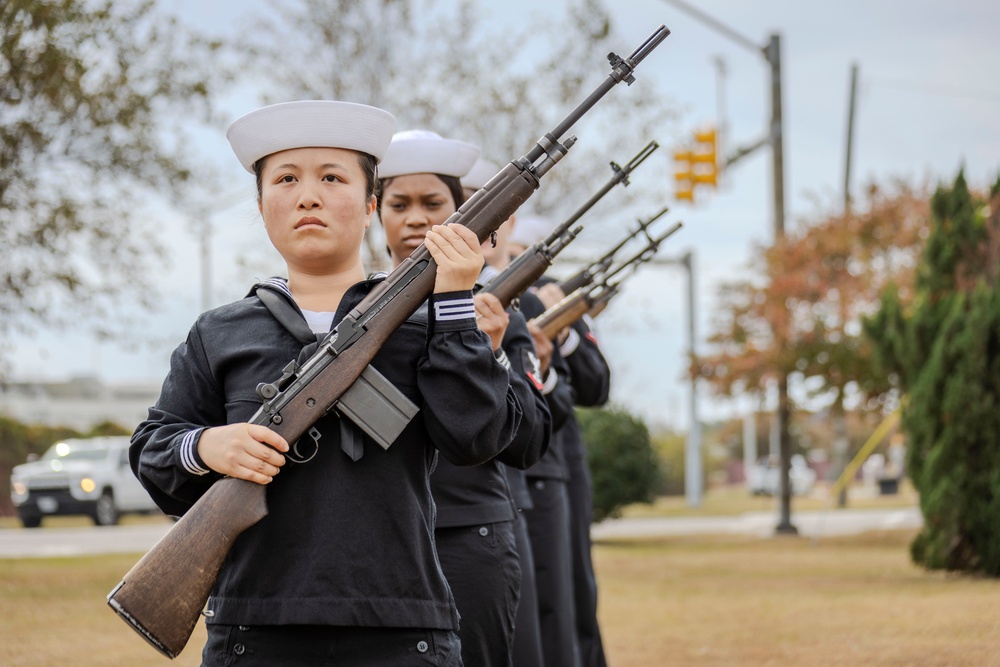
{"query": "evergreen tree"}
[(944, 353)]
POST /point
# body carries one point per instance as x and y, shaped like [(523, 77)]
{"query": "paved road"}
[(83, 541), (138, 538)]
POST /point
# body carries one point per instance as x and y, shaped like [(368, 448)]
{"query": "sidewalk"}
[(93, 540), (815, 523)]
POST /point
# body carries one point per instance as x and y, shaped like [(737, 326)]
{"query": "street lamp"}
[(201, 218), (772, 55), (693, 468)]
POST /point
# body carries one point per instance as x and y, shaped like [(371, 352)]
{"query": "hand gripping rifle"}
[(532, 264), (588, 274), (596, 295), (163, 595)]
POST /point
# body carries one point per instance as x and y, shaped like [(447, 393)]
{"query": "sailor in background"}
[(589, 377), (476, 514), (527, 649)]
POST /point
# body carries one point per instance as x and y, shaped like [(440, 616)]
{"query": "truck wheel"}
[(31, 520), (105, 511)]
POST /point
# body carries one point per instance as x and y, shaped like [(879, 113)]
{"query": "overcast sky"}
[(929, 88)]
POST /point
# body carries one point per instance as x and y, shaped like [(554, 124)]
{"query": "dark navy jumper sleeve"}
[(589, 371), (555, 385), (470, 410), (169, 466), (532, 437)]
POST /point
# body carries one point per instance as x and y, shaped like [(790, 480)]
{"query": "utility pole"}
[(721, 125), (841, 443), (850, 138), (773, 54), (206, 262), (774, 138)]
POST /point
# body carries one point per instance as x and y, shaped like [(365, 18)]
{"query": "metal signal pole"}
[(772, 54)]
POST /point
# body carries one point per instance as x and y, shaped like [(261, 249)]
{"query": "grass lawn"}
[(786, 601), (677, 601), (673, 601)]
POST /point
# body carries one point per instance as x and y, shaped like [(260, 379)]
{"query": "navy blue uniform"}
[(345, 544), (590, 378), (476, 516), (548, 520)]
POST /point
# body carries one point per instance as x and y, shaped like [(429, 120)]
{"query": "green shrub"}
[(624, 467)]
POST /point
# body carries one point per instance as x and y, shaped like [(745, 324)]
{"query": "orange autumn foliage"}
[(800, 312)]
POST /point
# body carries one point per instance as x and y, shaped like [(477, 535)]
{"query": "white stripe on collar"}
[(279, 284)]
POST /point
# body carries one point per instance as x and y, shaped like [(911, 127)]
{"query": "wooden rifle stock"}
[(602, 301), (564, 313), (163, 594), (593, 299)]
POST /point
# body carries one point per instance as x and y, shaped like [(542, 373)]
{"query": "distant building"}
[(78, 403)]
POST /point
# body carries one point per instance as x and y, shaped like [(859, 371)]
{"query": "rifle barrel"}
[(586, 275), (620, 175), (621, 71)]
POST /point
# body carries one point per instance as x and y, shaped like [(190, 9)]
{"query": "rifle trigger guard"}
[(493, 239), (304, 455)]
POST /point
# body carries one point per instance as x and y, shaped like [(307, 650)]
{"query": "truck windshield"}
[(70, 454)]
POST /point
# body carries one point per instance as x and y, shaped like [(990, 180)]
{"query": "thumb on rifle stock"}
[(163, 594)]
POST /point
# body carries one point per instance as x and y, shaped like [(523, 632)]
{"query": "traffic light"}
[(703, 158), (684, 177), (696, 166)]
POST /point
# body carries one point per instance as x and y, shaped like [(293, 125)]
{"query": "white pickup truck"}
[(88, 476)]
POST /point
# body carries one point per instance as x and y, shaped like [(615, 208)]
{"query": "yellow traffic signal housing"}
[(705, 165), (697, 165), (684, 177), (706, 137)]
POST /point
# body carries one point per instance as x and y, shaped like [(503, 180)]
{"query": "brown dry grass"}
[(785, 601), (678, 601)]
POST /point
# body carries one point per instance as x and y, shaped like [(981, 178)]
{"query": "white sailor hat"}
[(426, 152), (480, 174), (310, 123), (530, 229)]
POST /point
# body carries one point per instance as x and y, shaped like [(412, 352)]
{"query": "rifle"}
[(163, 594), (532, 264), (587, 274), (596, 296)]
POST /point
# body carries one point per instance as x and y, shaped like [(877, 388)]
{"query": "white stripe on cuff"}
[(572, 341), (501, 356), (551, 380), (188, 459), (454, 309)]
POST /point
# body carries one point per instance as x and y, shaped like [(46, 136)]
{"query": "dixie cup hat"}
[(426, 152), (310, 124), (530, 229), (480, 174)]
